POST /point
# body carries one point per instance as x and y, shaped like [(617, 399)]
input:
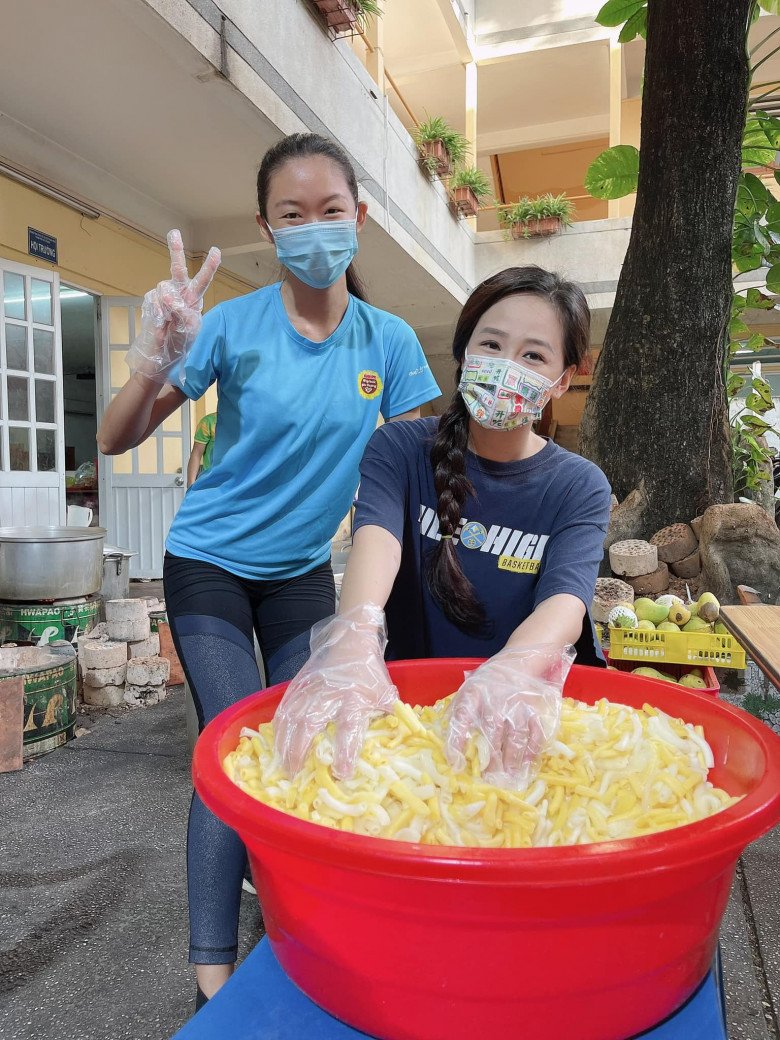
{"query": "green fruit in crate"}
[(694, 608), (679, 614), (668, 626), (622, 617), (697, 625), (695, 671), (693, 682), (651, 673), (709, 607), (720, 629), (646, 610), (646, 625)]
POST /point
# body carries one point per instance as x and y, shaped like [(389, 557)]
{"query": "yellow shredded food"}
[(612, 772)]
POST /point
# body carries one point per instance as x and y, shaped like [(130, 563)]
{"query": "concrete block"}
[(148, 671), (130, 631), (97, 677), (104, 696), (11, 723), (125, 610), (102, 653), (100, 631), (146, 647), (143, 696)]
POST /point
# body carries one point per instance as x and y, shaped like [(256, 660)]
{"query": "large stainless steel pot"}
[(50, 562)]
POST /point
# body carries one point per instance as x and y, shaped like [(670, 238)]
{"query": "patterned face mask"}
[(501, 394)]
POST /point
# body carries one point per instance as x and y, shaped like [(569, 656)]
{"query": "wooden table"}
[(757, 628)]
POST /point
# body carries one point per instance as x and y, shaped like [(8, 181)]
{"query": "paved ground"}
[(93, 897)]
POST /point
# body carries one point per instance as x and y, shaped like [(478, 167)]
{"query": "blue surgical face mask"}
[(317, 253)]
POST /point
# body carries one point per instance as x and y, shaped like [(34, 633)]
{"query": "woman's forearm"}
[(557, 620), (136, 411), (372, 568)]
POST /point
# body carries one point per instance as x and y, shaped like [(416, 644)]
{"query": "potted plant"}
[(468, 186), (440, 146), (539, 217), (343, 16)]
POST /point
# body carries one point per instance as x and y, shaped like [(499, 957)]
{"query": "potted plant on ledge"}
[(538, 218), (440, 146), (468, 186), (342, 16)]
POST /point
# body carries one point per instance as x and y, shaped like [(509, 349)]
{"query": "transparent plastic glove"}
[(344, 681), (514, 701), (170, 314)]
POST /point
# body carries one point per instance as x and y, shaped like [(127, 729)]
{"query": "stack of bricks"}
[(120, 658)]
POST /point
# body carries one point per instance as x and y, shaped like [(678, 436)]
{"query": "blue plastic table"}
[(261, 1003)]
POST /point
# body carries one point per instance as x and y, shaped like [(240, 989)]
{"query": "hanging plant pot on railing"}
[(440, 146), (468, 187), (537, 218), (346, 16)]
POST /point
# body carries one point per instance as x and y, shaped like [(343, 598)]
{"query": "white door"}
[(142, 489), (32, 446)]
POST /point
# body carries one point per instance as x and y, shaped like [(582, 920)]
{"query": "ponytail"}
[(449, 586), (355, 286)]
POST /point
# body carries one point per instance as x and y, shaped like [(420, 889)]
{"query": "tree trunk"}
[(657, 409)]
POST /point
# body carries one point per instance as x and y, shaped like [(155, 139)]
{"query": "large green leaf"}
[(772, 6), (755, 342), (773, 279), (738, 329), (755, 300), (616, 12), (635, 26), (749, 261), (757, 404), (738, 304), (614, 173), (773, 220), (757, 148), (753, 197), (756, 424), (762, 389), (734, 384), (771, 127)]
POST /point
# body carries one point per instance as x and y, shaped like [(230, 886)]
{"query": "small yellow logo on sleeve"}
[(370, 384)]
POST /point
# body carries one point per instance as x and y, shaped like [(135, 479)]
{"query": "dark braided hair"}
[(448, 584), (304, 146)]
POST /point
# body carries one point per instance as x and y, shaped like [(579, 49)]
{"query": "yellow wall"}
[(630, 119), (554, 168), (102, 256)]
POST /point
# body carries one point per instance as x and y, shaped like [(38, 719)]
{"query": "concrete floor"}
[(93, 928)]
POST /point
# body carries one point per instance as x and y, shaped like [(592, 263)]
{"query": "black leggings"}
[(213, 615)]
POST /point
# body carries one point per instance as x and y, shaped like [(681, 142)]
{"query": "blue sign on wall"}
[(43, 246)]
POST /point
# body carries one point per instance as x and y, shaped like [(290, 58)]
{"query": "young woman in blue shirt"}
[(477, 537), (303, 368)]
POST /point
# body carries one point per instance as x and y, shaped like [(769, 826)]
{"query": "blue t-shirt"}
[(294, 418), (534, 529)]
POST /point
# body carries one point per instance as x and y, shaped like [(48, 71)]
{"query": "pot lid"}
[(51, 534)]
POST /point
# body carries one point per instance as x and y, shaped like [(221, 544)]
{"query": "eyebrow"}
[(295, 202), (528, 341)]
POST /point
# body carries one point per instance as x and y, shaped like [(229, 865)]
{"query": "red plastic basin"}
[(592, 942)]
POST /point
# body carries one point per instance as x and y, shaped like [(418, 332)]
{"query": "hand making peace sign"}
[(170, 314)]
